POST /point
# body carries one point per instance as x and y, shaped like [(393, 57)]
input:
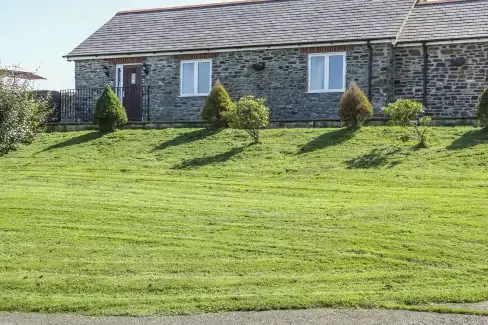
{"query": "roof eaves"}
[(241, 48)]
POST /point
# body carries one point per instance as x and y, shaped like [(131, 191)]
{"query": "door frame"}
[(119, 77)]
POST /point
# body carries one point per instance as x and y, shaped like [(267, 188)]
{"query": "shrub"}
[(483, 110), (249, 114), (22, 114), (355, 108), (403, 112), (109, 111), (216, 104), (408, 113)]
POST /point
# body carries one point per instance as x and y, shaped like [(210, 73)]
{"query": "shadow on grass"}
[(187, 138), (76, 141), (328, 139), (378, 158), (469, 139), (210, 160)]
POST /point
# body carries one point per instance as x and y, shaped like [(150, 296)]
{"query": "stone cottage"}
[(300, 55)]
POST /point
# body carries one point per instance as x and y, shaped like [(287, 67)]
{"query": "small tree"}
[(109, 112), (22, 113), (355, 108), (483, 110), (216, 104), (249, 114), (408, 114)]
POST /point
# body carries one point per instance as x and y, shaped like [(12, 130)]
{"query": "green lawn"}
[(187, 221)]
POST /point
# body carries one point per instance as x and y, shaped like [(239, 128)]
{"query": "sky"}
[(35, 34)]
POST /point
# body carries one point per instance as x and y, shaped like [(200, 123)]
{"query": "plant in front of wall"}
[(355, 108), (249, 114), (216, 104), (482, 111), (409, 114), (109, 111)]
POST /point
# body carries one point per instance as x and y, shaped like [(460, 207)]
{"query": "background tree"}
[(22, 113)]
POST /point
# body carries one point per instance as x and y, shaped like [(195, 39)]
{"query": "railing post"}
[(148, 104)]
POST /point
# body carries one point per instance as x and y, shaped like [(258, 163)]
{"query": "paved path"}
[(297, 317)]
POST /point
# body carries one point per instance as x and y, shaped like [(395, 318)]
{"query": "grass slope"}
[(186, 221)]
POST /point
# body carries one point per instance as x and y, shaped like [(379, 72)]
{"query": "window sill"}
[(326, 91), (194, 95)]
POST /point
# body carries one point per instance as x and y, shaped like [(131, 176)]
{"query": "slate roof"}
[(247, 24), (446, 21)]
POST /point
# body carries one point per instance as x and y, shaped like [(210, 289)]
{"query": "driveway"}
[(297, 317)]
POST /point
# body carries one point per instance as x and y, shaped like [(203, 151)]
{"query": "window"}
[(196, 78), (327, 72)]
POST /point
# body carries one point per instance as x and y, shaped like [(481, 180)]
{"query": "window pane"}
[(317, 73), (188, 79), (204, 77), (336, 72)]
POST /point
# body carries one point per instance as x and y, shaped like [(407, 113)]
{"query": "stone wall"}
[(382, 81), (284, 82), (91, 74), (457, 76)]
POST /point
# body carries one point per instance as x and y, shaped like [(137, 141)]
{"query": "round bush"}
[(403, 111), (249, 114)]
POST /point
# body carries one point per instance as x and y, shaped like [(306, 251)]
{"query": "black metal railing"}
[(78, 105)]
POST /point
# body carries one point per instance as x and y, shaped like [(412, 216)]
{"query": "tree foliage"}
[(22, 113), (217, 103), (109, 111), (355, 107), (249, 114)]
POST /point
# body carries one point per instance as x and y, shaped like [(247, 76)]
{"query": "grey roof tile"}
[(444, 21), (247, 24)]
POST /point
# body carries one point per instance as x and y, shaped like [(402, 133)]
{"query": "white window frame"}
[(326, 73), (195, 76)]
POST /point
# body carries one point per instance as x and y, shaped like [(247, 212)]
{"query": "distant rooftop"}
[(20, 74)]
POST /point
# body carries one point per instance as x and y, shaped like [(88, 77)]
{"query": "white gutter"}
[(464, 41), (223, 50)]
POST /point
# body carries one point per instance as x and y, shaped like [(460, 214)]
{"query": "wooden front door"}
[(133, 92)]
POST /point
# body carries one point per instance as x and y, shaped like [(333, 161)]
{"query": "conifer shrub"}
[(483, 110), (217, 103), (355, 108), (109, 111), (249, 114)]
